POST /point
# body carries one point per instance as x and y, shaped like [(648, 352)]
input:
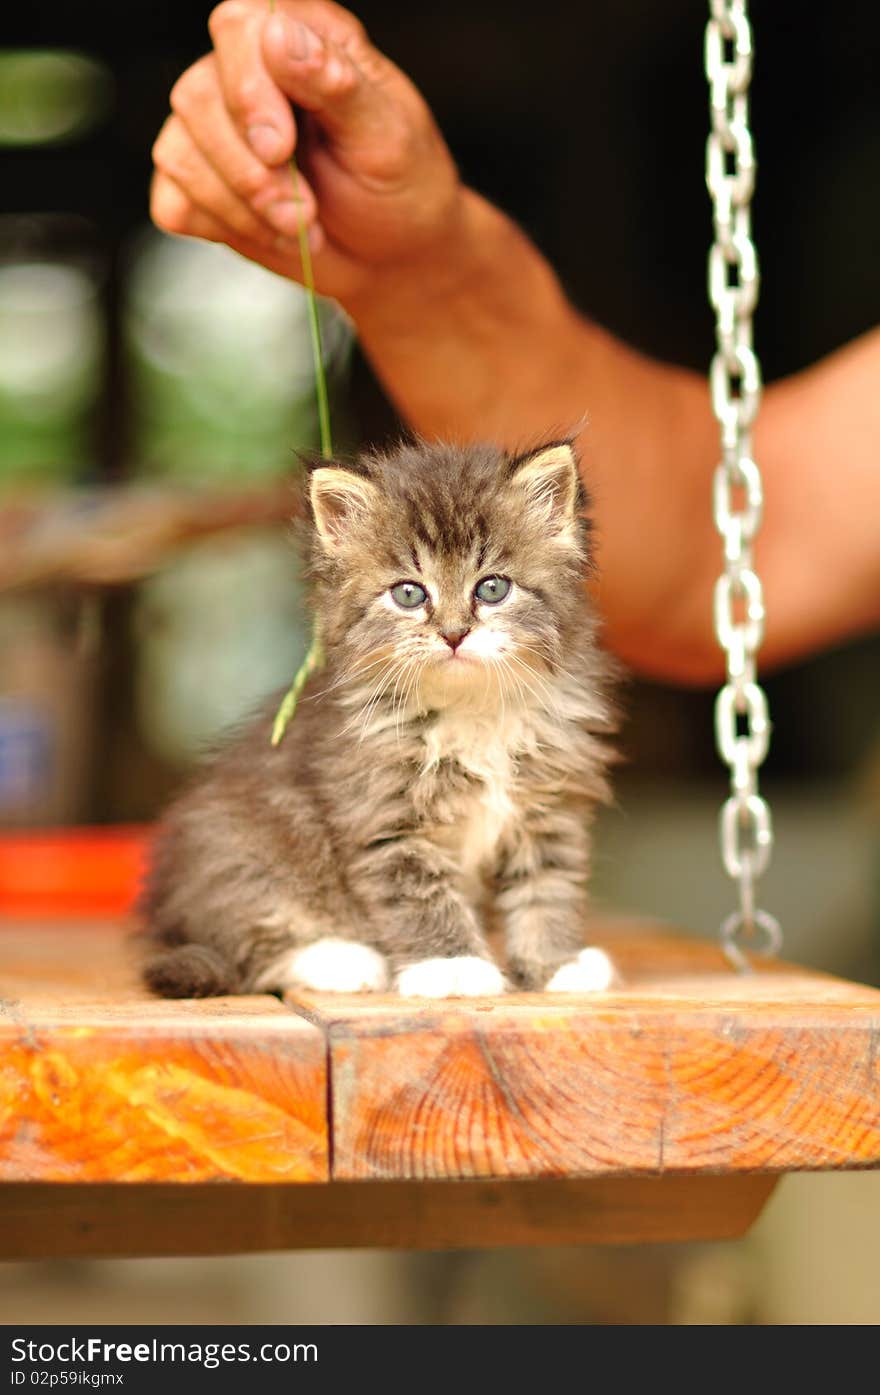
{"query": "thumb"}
[(335, 73)]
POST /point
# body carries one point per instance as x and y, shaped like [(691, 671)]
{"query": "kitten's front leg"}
[(542, 897), (425, 926)]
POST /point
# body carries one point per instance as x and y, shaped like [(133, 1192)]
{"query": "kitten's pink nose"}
[(454, 637)]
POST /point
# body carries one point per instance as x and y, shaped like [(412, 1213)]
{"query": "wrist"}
[(445, 330), (442, 268)]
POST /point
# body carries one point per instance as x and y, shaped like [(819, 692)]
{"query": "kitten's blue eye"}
[(409, 595), (492, 589)]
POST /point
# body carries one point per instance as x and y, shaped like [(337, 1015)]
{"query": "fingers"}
[(173, 210), (222, 157), (177, 157), (202, 151), (323, 75), (258, 109), (319, 57)]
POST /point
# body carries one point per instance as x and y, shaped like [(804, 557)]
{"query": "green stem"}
[(315, 655), (312, 661), (305, 253)]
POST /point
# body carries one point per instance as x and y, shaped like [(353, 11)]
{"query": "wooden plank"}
[(686, 1067), (99, 1082), (647, 1113), (40, 1222)]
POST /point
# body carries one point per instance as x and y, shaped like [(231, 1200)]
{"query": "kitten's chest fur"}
[(481, 776), (470, 789)]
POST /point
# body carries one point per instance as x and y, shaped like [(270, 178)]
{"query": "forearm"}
[(473, 337), (484, 344), (818, 443)]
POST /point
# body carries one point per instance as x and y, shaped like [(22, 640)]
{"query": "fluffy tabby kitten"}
[(447, 759)]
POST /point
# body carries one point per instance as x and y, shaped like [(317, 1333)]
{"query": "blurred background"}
[(153, 392)]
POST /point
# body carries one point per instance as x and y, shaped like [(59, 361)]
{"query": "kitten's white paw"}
[(467, 976), (329, 966), (589, 972)]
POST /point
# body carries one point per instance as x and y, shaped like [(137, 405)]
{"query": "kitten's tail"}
[(191, 971)]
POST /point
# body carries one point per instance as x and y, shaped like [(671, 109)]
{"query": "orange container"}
[(71, 871)]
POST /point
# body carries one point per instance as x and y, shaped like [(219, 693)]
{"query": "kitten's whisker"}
[(509, 670), (506, 673), (415, 675), (551, 671), (545, 692), (348, 675), (397, 704), (375, 693), (557, 669), (542, 696), (369, 707), (541, 653), (409, 686), (396, 671), (501, 692), (374, 683), (517, 679)]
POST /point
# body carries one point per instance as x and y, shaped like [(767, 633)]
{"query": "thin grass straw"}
[(305, 253), (314, 658)]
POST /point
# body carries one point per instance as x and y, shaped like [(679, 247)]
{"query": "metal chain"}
[(742, 725)]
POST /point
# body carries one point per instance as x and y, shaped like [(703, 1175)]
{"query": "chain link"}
[(742, 723)]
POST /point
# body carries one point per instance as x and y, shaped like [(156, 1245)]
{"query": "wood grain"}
[(660, 1110), (686, 1067), (40, 1222), (100, 1083)]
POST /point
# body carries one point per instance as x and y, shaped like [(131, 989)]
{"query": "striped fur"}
[(419, 789)]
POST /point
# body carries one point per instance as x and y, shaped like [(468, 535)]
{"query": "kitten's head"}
[(450, 573)]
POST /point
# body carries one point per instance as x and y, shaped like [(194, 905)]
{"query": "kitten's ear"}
[(549, 479), (339, 498)]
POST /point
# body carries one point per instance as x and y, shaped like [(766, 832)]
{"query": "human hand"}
[(378, 189)]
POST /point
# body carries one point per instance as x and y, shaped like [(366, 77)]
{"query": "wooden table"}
[(662, 1110)]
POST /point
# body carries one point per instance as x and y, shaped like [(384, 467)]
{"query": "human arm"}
[(472, 336)]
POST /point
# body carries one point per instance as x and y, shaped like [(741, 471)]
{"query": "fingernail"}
[(266, 144), (303, 43), (285, 215)]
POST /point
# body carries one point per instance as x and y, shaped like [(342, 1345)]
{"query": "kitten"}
[(449, 755)]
